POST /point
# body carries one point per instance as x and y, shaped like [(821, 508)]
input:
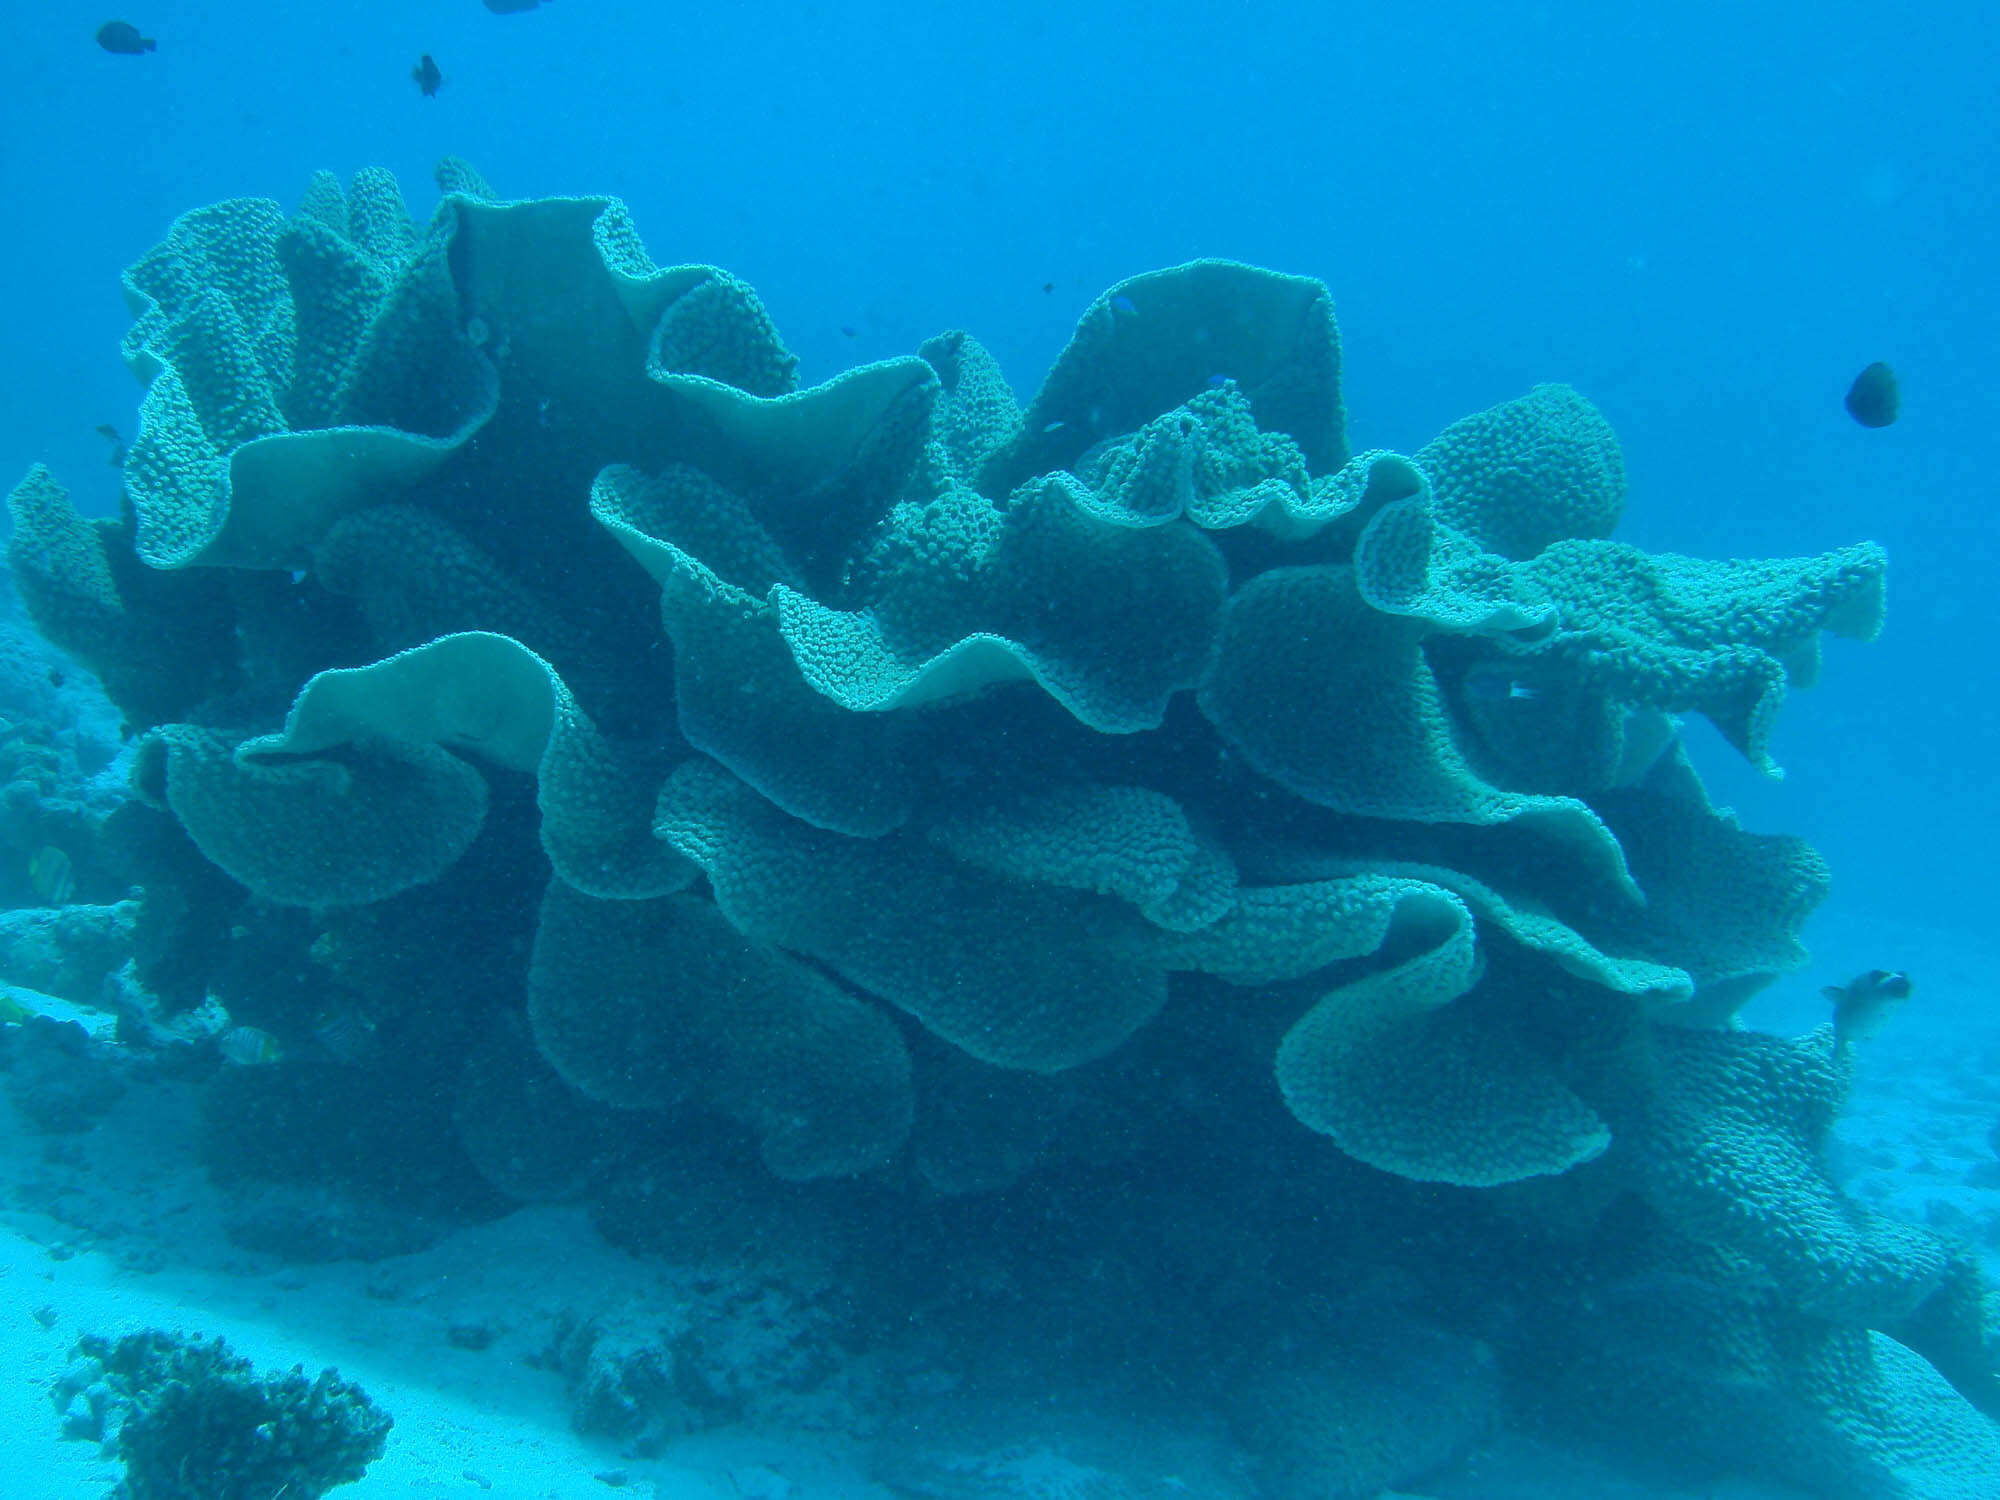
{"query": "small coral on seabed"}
[(194, 1422)]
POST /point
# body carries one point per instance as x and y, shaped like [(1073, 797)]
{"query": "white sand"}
[(465, 1422)]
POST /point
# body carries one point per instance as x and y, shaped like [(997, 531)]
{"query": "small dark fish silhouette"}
[(1048, 286), (347, 1035), (510, 7), (123, 38), (56, 677), (110, 435), (848, 330), (1873, 398), (428, 78)]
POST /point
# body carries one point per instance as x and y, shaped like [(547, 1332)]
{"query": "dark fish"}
[(428, 78), (347, 1035), (56, 677), (110, 434), (1861, 1006), (1873, 398), (511, 7), (1048, 286), (123, 38)]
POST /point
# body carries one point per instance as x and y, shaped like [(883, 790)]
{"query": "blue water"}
[(1706, 217)]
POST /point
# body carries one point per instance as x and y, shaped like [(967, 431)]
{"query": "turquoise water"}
[(1705, 222)]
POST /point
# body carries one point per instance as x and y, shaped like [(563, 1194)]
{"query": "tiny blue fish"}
[(1217, 382), (1124, 304), (1493, 684)]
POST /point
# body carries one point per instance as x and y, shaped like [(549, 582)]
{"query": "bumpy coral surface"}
[(192, 1421), (882, 768)]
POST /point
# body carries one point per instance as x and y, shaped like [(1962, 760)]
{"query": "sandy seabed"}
[(116, 1229)]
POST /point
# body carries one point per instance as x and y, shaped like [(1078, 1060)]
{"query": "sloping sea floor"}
[(117, 1228)]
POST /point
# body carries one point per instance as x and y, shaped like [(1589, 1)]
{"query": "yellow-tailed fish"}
[(248, 1047)]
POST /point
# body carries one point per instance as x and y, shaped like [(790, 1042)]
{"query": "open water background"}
[(1708, 217)]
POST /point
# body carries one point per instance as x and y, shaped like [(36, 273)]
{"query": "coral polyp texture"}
[(899, 783), (192, 1421)]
